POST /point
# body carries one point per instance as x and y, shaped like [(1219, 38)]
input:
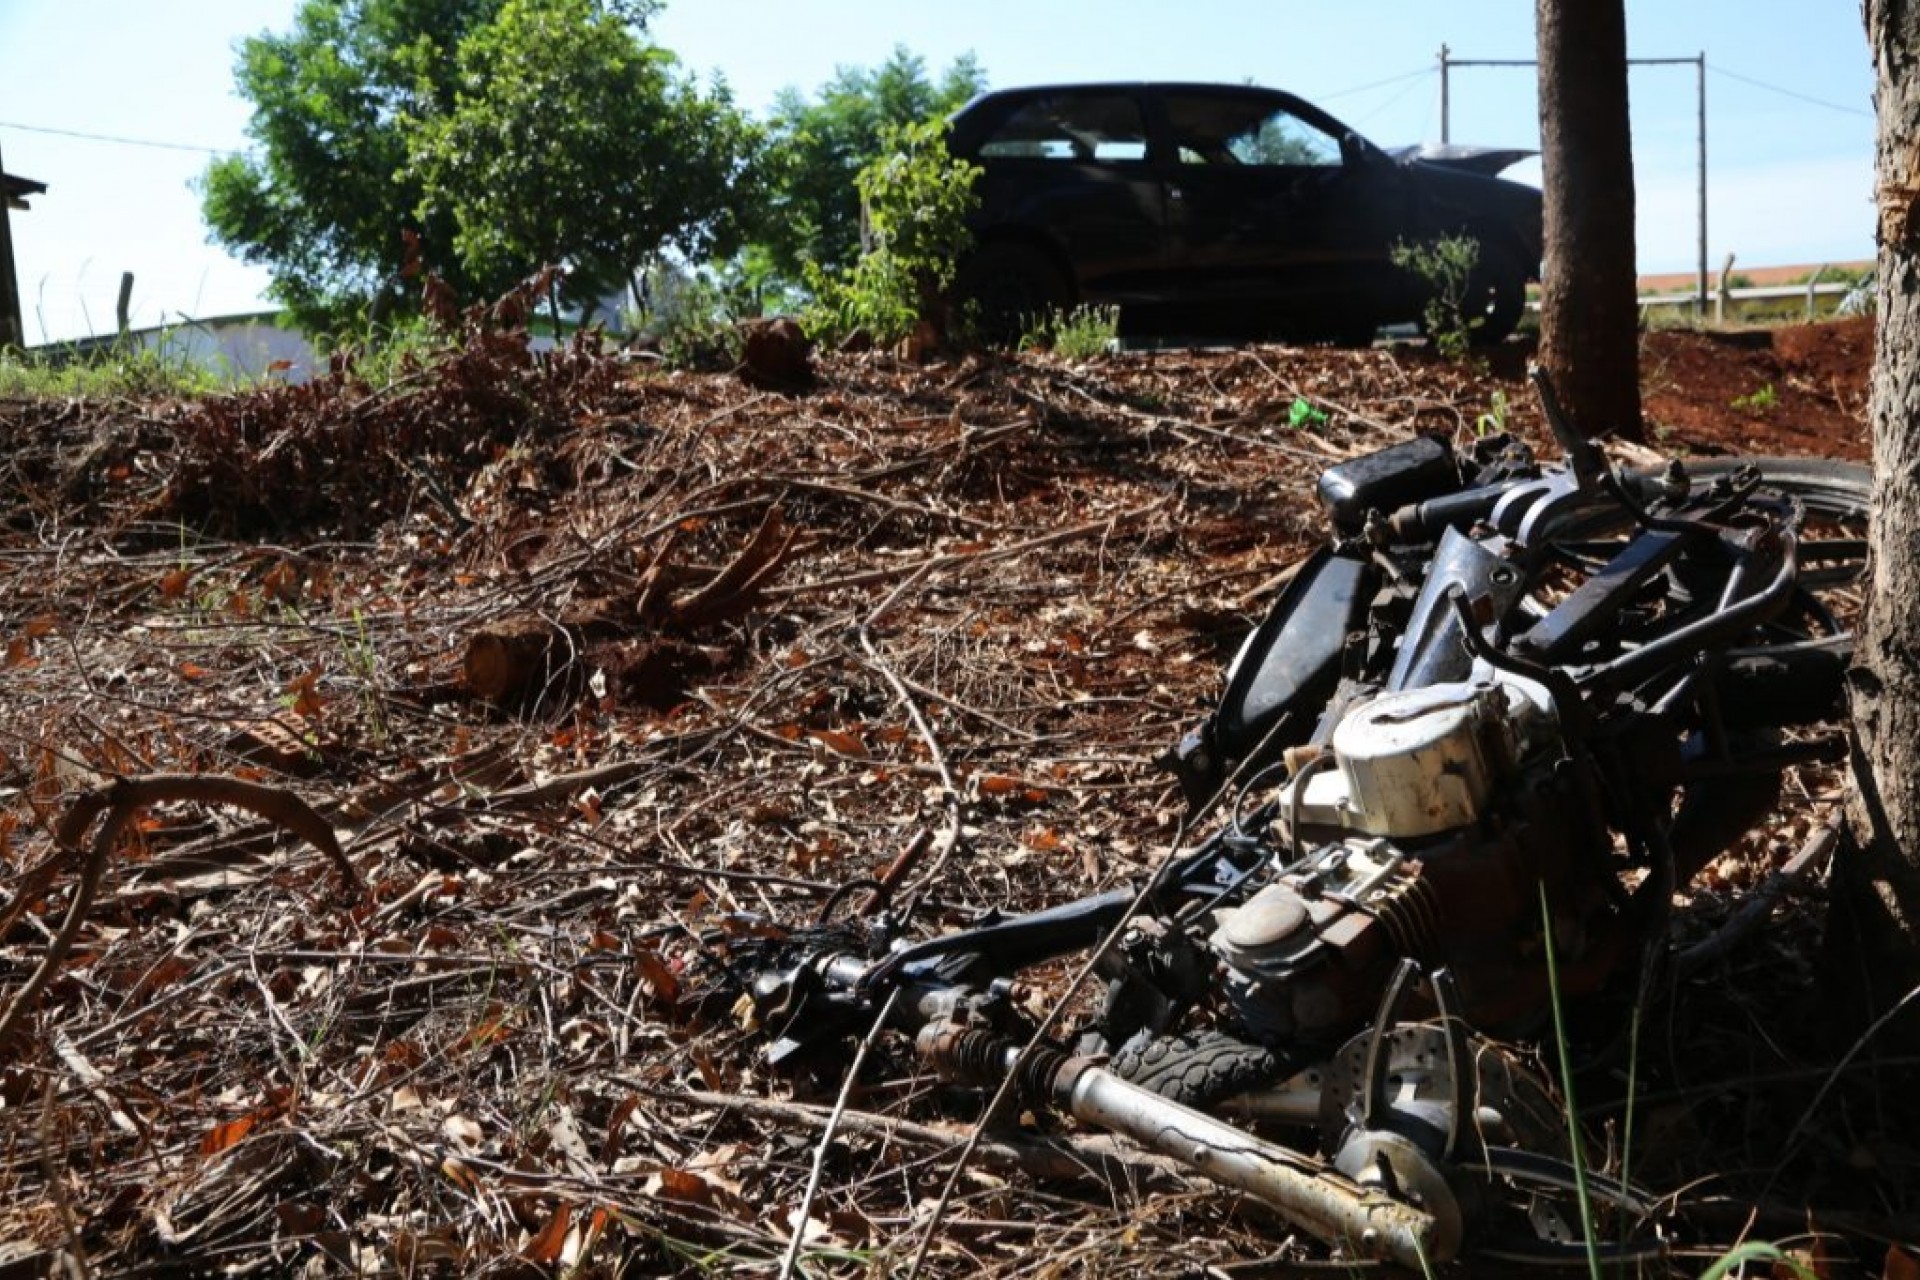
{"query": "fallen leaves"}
[(555, 875)]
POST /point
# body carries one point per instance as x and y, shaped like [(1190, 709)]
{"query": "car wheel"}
[(1009, 287), (1496, 297)]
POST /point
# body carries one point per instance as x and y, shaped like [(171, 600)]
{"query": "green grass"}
[(123, 370), (1079, 334)]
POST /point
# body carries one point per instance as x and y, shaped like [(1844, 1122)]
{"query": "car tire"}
[(1496, 297), (1008, 286)]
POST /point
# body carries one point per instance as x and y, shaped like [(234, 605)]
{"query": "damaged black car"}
[(1200, 208)]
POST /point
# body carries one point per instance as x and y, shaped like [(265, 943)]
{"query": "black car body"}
[(1223, 206)]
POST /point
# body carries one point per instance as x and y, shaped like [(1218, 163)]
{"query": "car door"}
[(1268, 203), (1071, 164)]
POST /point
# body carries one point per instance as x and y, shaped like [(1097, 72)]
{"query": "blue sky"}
[(1790, 134)]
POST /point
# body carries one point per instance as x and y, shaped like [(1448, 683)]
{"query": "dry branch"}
[(121, 800)]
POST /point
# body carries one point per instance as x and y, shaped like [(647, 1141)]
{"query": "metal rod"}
[(1701, 68), (1318, 1200)]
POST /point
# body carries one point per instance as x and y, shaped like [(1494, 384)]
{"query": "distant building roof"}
[(17, 189)]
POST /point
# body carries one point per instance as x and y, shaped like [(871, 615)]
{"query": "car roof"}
[(1130, 86), (981, 113)]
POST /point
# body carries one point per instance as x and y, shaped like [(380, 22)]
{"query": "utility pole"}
[(11, 327), (1698, 62)]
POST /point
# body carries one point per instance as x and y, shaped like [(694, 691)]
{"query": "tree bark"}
[(1875, 929), (1589, 309)]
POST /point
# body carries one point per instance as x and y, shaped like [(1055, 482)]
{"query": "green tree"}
[(324, 201), (571, 142), (812, 214), (918, 197)]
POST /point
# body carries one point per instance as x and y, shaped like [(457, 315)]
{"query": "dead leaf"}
[(305, 693), (460, 1175), (834, 740), (681, 1185), (20, 654), (43, 625), (282, 583), (463, 1129), (657, 976), (222, 1136), (496, 1026), (415, 1250), (545, 1247), (193, 671), (1901, 1264), (622, 1112), (173, 584)]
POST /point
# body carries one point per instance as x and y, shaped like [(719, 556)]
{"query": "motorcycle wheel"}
[(1195, 1070)]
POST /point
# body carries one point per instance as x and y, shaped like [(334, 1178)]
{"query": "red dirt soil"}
[(1796, 390)]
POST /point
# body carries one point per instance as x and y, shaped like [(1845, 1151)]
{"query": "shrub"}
[(1078, 334), (917, 197), (1445, 267), (698, 328)]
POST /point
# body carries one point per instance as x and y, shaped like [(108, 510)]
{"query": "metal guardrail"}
[(1819, 297)]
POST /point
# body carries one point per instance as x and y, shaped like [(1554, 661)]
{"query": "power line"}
[(1377, 84), (1788, 93), (108, 137), (1383, 107)]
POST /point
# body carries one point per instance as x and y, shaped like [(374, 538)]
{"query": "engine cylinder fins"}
[(1408, 908)]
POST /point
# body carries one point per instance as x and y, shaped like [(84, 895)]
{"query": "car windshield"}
[(1245, 129)]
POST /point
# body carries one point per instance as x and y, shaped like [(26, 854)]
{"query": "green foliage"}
[(1444, 267), (875, 295), (1079, 334), (699, 327), (325, 202), (1576, 1136), (1757, 402), (1280, 141), (1304, 415), (1495, 420), (125, 369), (818, 146), (384, 353), (476, 139), (918, 198), (1735, 1260), (571, 142)]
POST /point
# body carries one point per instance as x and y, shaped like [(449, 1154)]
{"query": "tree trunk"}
[(1589, 312), (1875, 930)]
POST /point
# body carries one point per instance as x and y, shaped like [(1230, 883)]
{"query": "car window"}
[(1243, 129), (1102, 127)]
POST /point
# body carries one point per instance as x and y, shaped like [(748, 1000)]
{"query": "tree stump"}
[(521, 660)]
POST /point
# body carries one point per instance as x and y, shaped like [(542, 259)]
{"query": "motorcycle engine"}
[(1424, 827)]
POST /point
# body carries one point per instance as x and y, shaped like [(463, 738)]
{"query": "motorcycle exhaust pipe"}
[(1305, 1191)]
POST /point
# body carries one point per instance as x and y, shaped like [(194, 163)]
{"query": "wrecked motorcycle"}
[(1479, 740)]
